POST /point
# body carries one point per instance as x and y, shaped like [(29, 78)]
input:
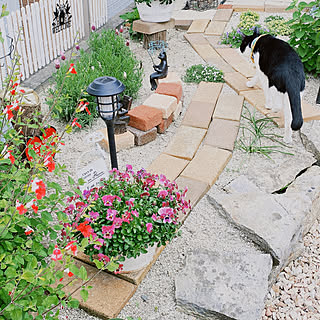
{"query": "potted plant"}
[(127, 215), (155, 10)]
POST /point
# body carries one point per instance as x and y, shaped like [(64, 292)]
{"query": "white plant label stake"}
[(93, 173)]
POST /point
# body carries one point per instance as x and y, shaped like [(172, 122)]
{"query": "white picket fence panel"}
[(38, 45)]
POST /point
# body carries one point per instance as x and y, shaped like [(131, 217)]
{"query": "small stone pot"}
[(156, 13)]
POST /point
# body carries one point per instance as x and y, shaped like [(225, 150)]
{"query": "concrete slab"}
[(195, 38), (223, 285), (196, 189), (237, 61), (223, 15), (109, 294), (207, 92), (172, 77), (207, 165), (199, 114), (215, 28), (170, 89), (207, 52), (198, 26), (222, 134), (248, 4), (229, 107), (185, 142), (237, 82), (152, 27), (123, 140), (168, 165)]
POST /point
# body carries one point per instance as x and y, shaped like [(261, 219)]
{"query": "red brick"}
[(225, 6), (170, 89), (164, 125), (144, 117), (143, 137)]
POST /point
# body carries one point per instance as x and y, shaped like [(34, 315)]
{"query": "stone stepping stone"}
[(195, 38), (275, 222), (207, 164), (202, 106), (248, 4), (237, 82), (276, 6), (199, 114), (229, 107), (223, 15), (237, 62), (256, 99), (222, 134), (215, 41), (198, 26), (168, 165), (196, 189), (185, 142), (215, 28), (109, 294), (223, 285)]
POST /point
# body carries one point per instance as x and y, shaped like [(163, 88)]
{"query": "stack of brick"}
[(154, 116), (158, 111)]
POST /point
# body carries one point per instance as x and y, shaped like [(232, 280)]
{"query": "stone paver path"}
[(196, 156)]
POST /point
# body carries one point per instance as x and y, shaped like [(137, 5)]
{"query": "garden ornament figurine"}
[(161, 70)]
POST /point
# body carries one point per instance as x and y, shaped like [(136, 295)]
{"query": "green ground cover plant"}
[(109, 54), (254, 133), (129, 17), (203, 72), (305, 33)]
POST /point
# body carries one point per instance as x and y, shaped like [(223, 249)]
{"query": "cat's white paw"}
[(250, 84)]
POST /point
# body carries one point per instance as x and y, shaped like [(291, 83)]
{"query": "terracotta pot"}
[(156, 13)]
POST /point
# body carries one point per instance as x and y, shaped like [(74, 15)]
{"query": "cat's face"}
[(247, 40)]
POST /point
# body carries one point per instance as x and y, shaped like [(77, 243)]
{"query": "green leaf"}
[(300, 33), (84, 294), (71, 181), (28, 276), (10, 272), (73, 303), (83, 273)]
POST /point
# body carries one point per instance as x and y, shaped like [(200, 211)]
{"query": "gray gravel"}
[(204, 228)]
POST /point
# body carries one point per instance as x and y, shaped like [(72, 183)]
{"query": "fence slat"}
[(44, 32), (37, 24), (19, 27), (33, 42), (47, 21), (14, 30), (27, 39)]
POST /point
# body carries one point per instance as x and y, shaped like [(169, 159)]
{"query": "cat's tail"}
[(295, 104)]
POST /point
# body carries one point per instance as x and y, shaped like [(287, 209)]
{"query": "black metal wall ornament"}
[(62, 17), (10, 53)]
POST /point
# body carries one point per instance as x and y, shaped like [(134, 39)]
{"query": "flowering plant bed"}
[(128, 213)]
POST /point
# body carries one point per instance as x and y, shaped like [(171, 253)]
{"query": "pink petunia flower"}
[(149, 227)]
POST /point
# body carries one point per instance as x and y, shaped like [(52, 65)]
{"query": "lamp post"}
[(107, 89)]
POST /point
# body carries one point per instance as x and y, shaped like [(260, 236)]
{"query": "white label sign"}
[(93, 173)]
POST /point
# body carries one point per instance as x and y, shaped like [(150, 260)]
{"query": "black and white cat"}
[(281, 74)]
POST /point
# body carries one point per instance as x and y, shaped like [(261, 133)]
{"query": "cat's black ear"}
[(256, 31)]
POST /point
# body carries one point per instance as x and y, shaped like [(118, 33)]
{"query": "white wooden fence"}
[(38, 45)]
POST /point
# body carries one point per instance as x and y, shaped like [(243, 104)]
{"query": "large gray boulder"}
[(224, 285)]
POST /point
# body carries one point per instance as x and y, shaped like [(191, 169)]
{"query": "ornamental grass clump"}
[(203, 72), (128, 213)]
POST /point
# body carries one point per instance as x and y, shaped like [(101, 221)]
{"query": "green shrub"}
[(200, 72), (248, 19), (277, 25), (108, 55), (129, 17), (305, 36)]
